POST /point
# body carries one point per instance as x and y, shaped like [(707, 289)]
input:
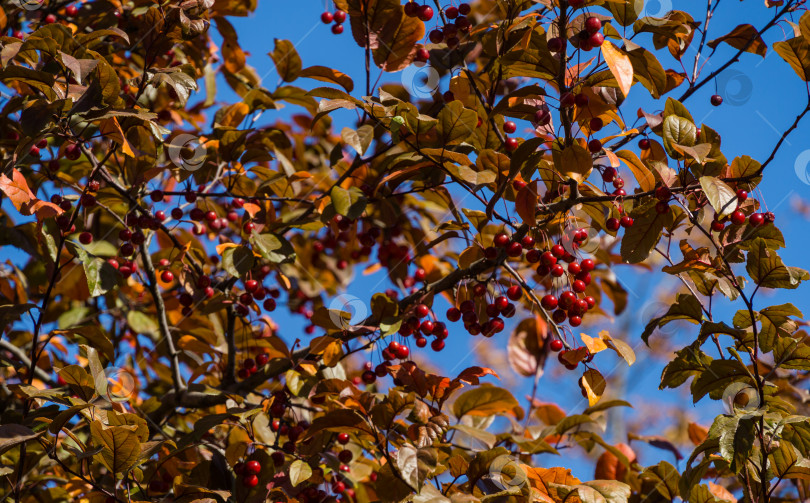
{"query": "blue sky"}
[(762, 97)]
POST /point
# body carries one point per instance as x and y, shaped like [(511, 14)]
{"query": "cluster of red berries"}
[(449, 33), (255, 291), (738, 217), (250, 365), (339, 17), (249, 471), (423, 12)]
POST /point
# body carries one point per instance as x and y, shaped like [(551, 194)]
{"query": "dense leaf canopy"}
[(153, 232)]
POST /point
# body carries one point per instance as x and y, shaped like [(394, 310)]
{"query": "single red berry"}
[(542, 117), (578, 286), (594, 146), (340, 16), (626, 221), (609, 174), (756, 219), (337, 29), (501, 240), (769, 217), (250, 480), (527, 242), (50, 19), (644, 144), (453, 314), (742, 195), (511, 144), (738, 217), (71, 10), (718, 226), (327, 17), (509, 127), (253, 467), (556, 345), (425, 13), (464, 9), (436, 36), (514, 249), (411, 9), (575, 320), (596, 40), (663, 193), (555, 44), (437, 345), (587, 265), (716, 100), (596, 124), (421, 310), (549, 302), (593, 24), (451, 12), (167, 276), (548, 259)]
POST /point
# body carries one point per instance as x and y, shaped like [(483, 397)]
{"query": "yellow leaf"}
[(594, 385), (645, 178), (333, 353), (620, 347), (620, 65), (594, 345), (224, 246), (234, 115)]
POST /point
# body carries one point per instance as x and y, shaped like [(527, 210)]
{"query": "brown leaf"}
[(288, 63), (527, 350), (609, 467), (396, 43), (742, 36), (325, 74), (526, 203)]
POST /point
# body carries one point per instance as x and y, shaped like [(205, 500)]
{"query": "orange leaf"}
[(609, 467), (620, 65), (697, 433), (26, 202), (112, 129)]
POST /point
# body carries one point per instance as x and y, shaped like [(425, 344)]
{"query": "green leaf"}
[(717, 377), (486, 400), (767, 270), (273, 247), (790, 353), (675, 107), (299, 472), (796, 51), (688, 362), (101, 276), (680, 131), (120, 446), (686, 307), (237, 260), (455, 123), (142, 323), (775, 322), (288, 62), (722, 197), (351, 203)]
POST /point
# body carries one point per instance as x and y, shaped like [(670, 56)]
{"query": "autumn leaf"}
[(21, 196), (619, 64)]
